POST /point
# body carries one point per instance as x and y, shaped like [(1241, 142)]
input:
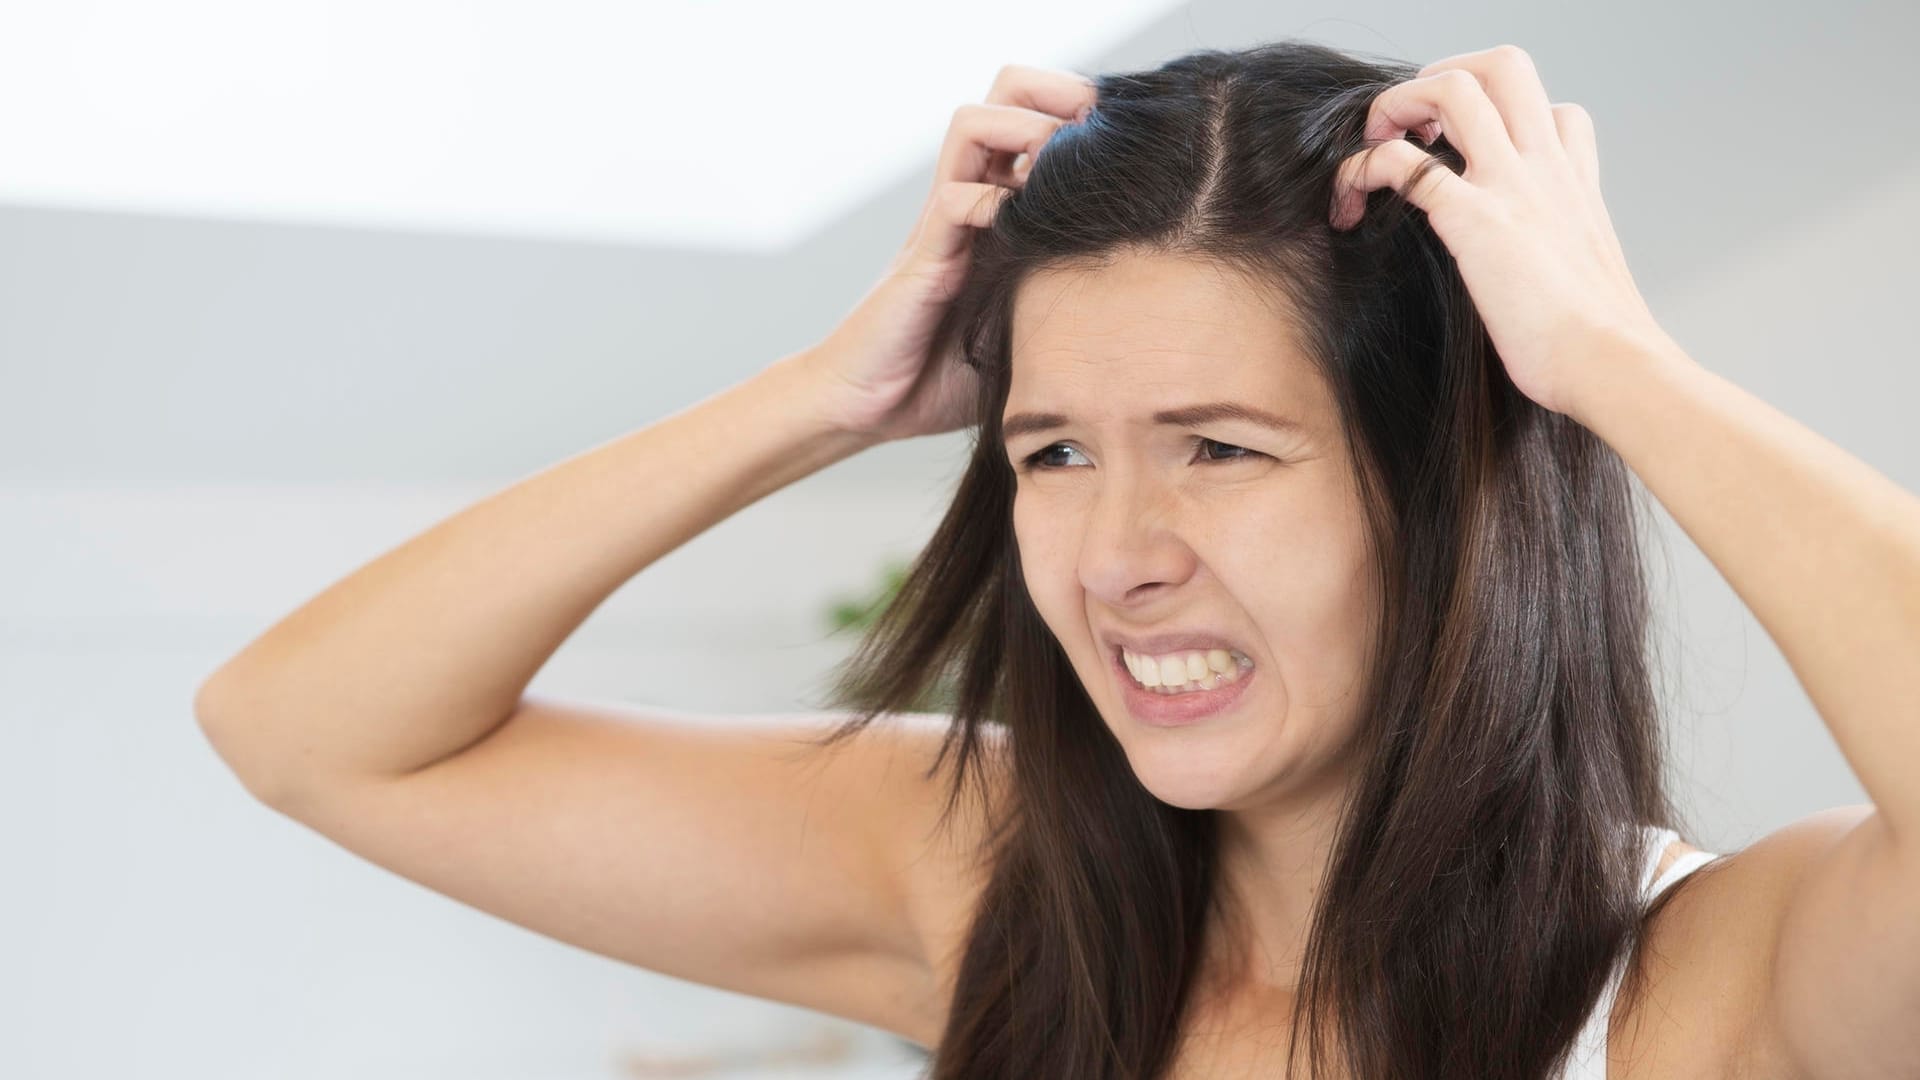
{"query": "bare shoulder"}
[(1706, 959)]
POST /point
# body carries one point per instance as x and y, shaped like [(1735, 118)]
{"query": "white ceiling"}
[(737, 126)]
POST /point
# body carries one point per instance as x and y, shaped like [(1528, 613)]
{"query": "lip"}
[(1161, 644), (1175, 710)]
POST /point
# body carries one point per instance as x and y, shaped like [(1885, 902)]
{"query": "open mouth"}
[(1190, 672), (1193, 700)]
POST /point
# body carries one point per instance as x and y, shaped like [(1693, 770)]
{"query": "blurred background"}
[(283, 284)]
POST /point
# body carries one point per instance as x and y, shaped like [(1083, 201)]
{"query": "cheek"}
[(1042, 546), (1301, 568), (1049, 541)]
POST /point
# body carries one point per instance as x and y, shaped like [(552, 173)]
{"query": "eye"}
[(1203, 443), (1032, 460), (1200, 445)]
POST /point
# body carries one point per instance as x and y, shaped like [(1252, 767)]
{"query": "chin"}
[(1197, 799), (1186, 778)]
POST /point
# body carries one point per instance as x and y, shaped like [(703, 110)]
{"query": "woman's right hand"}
[(884, 384)]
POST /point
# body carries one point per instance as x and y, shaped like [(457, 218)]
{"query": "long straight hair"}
[(1484, 874)]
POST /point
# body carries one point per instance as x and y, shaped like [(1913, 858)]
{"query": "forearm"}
[(1822, 548), (429, 647)]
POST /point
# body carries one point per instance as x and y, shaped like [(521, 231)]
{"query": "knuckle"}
[(1513, 55), (946, 198)]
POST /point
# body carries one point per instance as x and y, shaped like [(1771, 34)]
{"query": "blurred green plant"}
[(854, 615)]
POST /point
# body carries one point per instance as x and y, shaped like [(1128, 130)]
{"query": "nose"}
[(1132, 541)]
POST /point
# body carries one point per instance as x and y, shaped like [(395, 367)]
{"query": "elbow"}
[(215, 713), (205, 702)]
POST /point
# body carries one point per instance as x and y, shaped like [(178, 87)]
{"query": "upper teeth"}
[(1179, 669)]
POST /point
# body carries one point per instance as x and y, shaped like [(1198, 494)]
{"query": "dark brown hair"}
[(1485, 873)]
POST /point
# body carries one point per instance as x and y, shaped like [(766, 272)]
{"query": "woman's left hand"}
[(1525, 221)]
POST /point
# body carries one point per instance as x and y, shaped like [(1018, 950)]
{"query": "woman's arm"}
[(426, 649), (1826, 552), (1823, 549)]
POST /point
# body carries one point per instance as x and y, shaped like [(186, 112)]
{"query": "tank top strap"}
[(1658, 837), (1682, 866), (1588, 1058), (1654, 840)]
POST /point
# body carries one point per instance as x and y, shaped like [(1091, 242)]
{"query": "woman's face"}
[(1250, 537)]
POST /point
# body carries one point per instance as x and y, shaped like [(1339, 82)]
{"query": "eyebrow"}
[(1027, 423)]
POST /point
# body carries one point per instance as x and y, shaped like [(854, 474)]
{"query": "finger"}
[(956, 208), (1065, 94), (1508, 77), (1009, 170), (1465, 114), (1576, 134), (978, 131), (1392, 164), (1575, 129)]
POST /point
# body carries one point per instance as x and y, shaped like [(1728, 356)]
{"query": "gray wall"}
[(202, 423)]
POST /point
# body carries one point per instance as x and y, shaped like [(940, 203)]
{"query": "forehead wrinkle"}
[(1256, 303), (1252, 300), (1130, 320), (1123, 331), (1165, 365)]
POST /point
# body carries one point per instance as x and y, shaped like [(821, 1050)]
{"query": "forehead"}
[(1145, 319)]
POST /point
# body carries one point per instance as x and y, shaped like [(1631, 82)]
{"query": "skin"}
[(1256, 535)]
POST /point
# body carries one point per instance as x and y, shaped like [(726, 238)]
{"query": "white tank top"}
[(1588, 1061)]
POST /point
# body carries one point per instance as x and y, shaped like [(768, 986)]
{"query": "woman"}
[(1291, 605)]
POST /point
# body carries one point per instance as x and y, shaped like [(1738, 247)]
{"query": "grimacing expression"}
[(1220, 525)]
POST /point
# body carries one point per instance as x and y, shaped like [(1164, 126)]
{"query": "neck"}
[(1273, 866)]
